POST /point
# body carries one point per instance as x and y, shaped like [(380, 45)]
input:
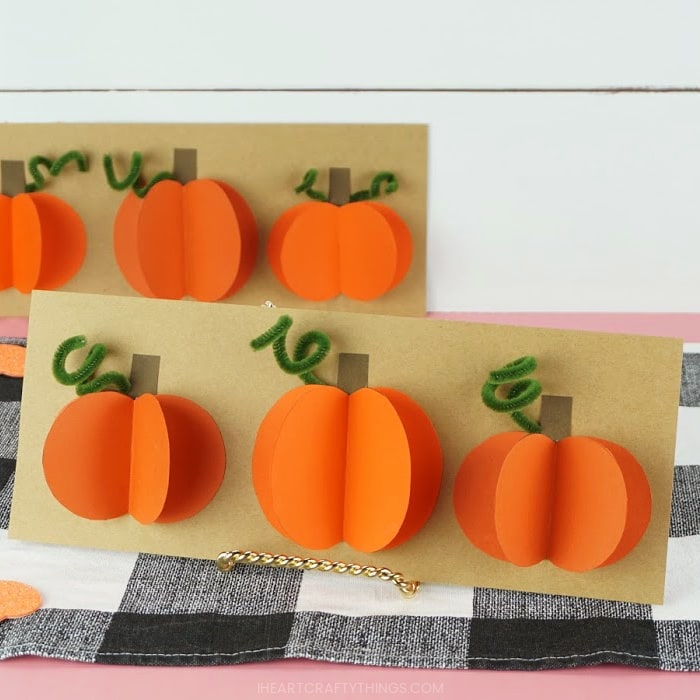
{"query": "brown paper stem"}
[(185, 164), (353, 371), (339, 186), (144, 374), (555, 416), (12, 180)]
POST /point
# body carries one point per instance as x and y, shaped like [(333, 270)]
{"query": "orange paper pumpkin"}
[(198, 239), (319, 250), (42, 239), (581, 502), (363, 467), (160, 458)]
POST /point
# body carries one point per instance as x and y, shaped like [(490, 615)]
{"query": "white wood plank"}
[(537, 202), (85, 44)]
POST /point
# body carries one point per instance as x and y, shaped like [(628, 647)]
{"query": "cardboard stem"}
[(353, 371), (339, 186), (185, 164), (144, 374), (555, 416), (12, 180)]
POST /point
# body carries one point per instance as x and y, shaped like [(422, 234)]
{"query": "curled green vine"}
[(133, 178), (82, 378), (306, 185), (301, 363), (521, 393), (53, 167), (386, 178)]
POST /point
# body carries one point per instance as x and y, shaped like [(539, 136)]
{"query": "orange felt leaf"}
[(160, 458), (17, 600), (363, 468), (12, 359), (582, 503)]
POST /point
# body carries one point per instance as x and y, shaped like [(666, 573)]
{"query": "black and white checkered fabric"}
[(143, 609)]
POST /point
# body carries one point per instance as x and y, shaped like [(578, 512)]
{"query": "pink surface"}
[(34, 677), (13, 326), (61, 680)]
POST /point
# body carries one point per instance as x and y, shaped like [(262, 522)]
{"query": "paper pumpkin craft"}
[(158, 457), (346, 463), (12, 359), (183, 235), (42, 238), (341, 244), (17, 600), (523, 497)]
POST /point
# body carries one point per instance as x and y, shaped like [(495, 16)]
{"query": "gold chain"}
[(227, 560)]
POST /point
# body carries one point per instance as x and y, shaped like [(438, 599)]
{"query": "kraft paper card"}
[(229, 227), (415, 474)]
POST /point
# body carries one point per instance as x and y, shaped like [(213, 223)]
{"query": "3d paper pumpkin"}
[(321, 249), (580, 502), (159, 458), (42, 238), (195, 237), (355, 464)]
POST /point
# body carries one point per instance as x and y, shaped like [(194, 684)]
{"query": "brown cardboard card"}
[(624, 388), (263, 162)]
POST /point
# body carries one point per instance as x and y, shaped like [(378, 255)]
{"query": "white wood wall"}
[(564, 136)]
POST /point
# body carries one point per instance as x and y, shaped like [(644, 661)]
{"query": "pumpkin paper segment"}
[(580, 502), (319, 250), (160, 458), (362, 467), (42, 240), (197, 238)]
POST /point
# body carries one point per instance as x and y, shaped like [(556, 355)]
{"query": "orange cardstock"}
[(278, 434)]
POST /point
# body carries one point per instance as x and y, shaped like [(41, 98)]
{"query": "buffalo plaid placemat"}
[(144, 609)]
